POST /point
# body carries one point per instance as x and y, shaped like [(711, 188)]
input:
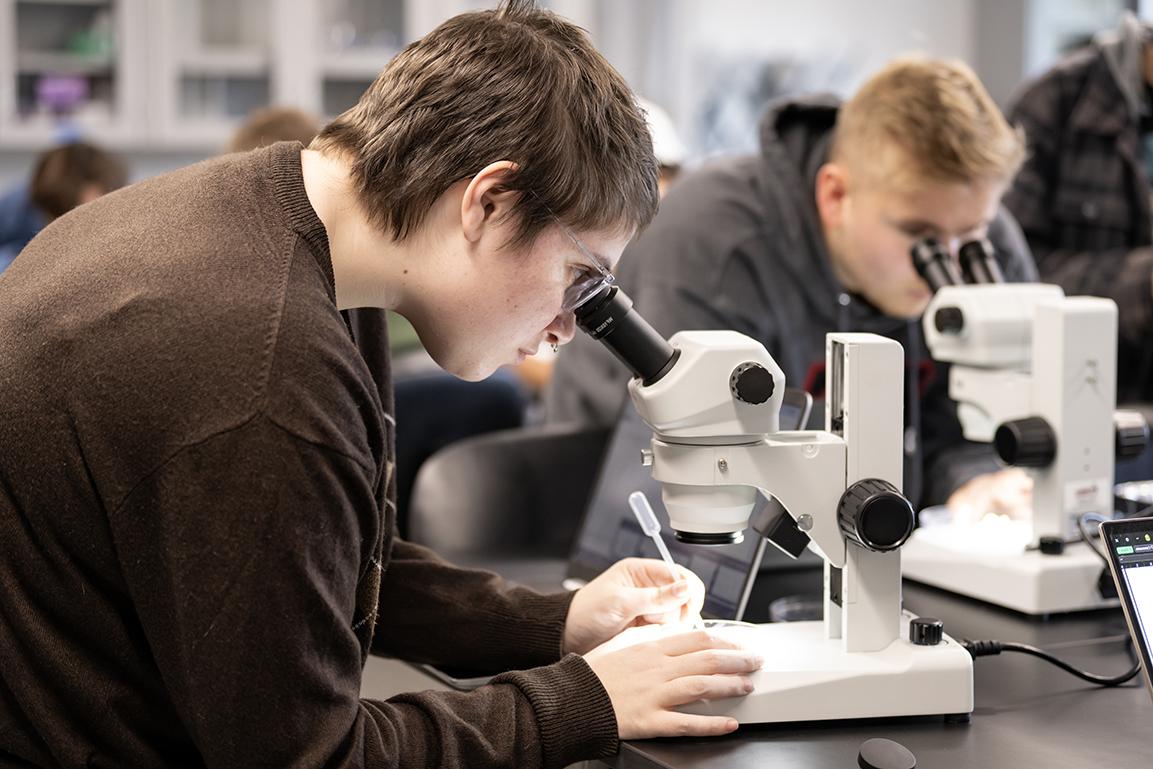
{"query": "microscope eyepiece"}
[(934, 264), (608, 317), (978, 265)]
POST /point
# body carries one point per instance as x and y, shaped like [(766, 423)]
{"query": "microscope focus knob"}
[(1028, 442), (926, 631), (875, 515), (1132, 433), (752, 383)]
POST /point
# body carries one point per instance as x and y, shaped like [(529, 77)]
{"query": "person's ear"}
[(832, 194), (487, 201)]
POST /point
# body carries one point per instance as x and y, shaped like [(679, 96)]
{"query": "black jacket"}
[(1082, 197)]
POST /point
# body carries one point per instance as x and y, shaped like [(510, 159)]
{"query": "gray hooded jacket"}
[(738, 245)]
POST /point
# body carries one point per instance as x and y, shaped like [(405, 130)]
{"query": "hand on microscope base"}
[(1007, 492), (648, 680), (633, 591)]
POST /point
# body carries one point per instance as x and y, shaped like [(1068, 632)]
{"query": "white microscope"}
[(712, 399), (1033, 372)]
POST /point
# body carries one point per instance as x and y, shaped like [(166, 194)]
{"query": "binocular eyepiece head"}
[(975, 263)]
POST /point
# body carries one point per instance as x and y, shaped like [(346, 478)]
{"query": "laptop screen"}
[(610, 531), (1130, 545)]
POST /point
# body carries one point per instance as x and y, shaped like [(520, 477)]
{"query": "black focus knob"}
[(875, 515), (752, 383), (926, 631), (1051, 545), (949, 320), (1028, 442), (1132, 433)]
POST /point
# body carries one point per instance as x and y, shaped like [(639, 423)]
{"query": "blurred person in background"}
[(667, 145), (1083, 195), (63, 178), (269, 125), (813, 235)]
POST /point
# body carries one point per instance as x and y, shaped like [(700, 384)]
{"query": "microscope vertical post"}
[(865, 406), (1074, 390)]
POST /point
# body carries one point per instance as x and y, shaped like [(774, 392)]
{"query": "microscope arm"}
[(803, 471)]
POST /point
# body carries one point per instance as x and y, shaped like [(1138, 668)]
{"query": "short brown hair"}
[(517, 83), (62, 173), (269, 125), (936, 117)]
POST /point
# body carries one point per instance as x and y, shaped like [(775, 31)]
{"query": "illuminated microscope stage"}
[(989, 561), (808, 677)]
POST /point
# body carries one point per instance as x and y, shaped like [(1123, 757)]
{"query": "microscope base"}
[(808, 677), (994, 567)]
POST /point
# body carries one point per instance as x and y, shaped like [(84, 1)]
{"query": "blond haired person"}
[(812, 235), (197, 549)]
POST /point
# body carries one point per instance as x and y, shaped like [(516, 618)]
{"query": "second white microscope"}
[(712, 399), (1033, 372)]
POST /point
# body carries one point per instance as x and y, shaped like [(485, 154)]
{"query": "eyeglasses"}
[(592, 278)]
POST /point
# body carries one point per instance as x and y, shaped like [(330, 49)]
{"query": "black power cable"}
[(1088, 535), (990, 648)]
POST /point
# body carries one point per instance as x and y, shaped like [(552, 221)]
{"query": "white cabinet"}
[(70, 68), (210, 65), (179, 75), (356, 38)]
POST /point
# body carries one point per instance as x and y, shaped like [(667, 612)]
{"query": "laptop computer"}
[(1129, 547)]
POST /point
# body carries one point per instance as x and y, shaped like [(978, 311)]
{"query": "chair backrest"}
[(509, 493)]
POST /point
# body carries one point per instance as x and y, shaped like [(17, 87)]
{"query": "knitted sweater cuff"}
[(573, 711)]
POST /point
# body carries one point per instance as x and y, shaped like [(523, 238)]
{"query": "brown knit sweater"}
[(194, 510)]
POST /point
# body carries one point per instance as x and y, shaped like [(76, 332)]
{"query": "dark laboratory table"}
[(1028, 713)]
